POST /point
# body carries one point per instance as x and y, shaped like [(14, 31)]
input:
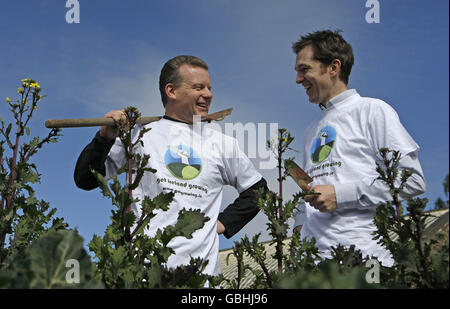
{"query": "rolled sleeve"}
[(346, 195)]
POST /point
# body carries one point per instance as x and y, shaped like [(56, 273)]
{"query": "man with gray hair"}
[(195, 172)]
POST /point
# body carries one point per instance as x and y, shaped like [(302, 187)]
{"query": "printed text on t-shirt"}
[(322, 168)]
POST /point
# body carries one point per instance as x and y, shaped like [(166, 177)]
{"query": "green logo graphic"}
[(323, 144), (183, 162)]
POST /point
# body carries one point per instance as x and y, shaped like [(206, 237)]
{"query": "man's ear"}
[(170, 91), (335, 67)]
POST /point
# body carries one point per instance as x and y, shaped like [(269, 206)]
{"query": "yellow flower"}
[(285, 140), (35, 107), (7, 100), (35, 85), (19, 90), (25, 101)]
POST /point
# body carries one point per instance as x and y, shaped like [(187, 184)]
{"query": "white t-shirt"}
[(341, 148), (194, 162)]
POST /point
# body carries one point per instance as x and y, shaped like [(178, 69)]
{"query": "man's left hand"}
[(325, 201)]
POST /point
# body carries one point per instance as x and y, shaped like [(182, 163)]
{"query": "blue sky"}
[(113, 57)]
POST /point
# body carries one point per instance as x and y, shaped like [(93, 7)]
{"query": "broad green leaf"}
[(118, 257), (154, 273), (163, 200), (96, 244), (8, 129), (103, 184), (51, 256), (189, 221)]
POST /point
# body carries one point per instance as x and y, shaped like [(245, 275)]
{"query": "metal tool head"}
[(218, 116), (299, 175)]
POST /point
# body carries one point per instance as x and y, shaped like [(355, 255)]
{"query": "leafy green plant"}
[(272, 205), (300, 254), (126, 257), (415, 265), (328, 275), (34, 246), (48, 262), (239, 253), (22, 216), (440, 203)]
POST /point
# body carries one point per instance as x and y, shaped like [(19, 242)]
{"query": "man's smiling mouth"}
[(203, 105)]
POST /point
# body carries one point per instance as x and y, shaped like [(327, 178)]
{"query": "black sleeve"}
[(242, 210), (93, 157)]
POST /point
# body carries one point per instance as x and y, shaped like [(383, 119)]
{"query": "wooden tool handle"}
[(98, 122), (90, 122)]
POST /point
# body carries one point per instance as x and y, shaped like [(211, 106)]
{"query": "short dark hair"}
[(170, 70), (327, 46)]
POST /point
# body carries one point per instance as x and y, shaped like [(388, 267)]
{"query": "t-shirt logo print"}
[(323, 144), (183, 162)]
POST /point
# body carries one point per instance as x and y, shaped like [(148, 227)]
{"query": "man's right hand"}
[(111, 132)]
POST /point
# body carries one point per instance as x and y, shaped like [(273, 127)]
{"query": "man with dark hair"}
[(192, 160), (341, 150), (327, 46)]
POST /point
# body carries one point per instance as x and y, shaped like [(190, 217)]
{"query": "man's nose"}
[(299, 79), (207, 93)]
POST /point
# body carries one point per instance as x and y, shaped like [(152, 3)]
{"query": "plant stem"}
[(130, 191), (10, 196), (391, 183), (418, 244), (280, 204)]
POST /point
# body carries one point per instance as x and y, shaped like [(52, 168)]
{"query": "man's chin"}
[(202, 113)]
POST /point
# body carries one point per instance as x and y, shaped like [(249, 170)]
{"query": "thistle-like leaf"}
[(188, 222), (103, 184)]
